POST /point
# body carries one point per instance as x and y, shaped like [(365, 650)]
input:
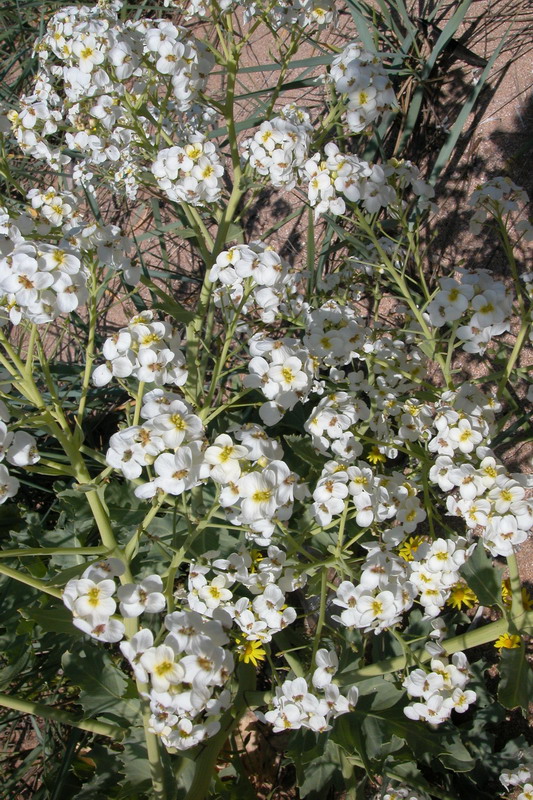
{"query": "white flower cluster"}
[(54, 207), (38, 280), (335, 336), (348, 175), (361, 76), (192, 173), (288, 14), (19, 449), (400, 792), (488, 498), (520, 779), (389, 584), (184, 671), (43, 257), (252, 275), (262, 497), (291, 14), (216, 585), (330, 425), (373, 497), (169, 425), (90, 599), (95, 73), (279, 148), (189, 669), (442, 690), (484, 304), (147, 350), (283, 370), (187, 673), (434, 569), (103, 244), (341, 177), (499, 197), (295, 706)]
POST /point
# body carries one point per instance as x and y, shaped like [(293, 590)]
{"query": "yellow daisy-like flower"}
[(527, 599), (461, 595), (507, 641), (375, 456), (506, 591), (251, 652), (409, 547)]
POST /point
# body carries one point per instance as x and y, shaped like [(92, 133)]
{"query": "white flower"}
[(100, 627), (164, 670), (134, 648), (92, 597), (146, 596), (327, 664), (223, 457), (9, 486)]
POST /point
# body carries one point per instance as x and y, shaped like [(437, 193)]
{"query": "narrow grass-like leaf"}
[(457, 127)]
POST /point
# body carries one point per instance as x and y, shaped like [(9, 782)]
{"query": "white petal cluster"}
[(335, 178), (296, 706), (262, 497), (146, 349), (340, 176), (401, 792), (216, 585), (38, 280), (373, 497), (441, 691), (191, 173), (252, 277), (483, 304), (283, 371), (335, 334), (95, 73), (170, 438), (519, 777), (187, 674), (361, 76), (279, 148), (499, 197), (19, 449), (288, 14), (90, 598), (434, 570), (330, 422)]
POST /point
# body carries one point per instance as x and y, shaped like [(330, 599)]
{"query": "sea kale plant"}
[(268, 489)]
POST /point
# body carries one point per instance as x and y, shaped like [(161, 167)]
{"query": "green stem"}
[(53, 551), (522, 334), (206, 761), (131, 548), (321, 612), (64, 718), (517, 607), (89, 355), (472, 638), (29, 581)]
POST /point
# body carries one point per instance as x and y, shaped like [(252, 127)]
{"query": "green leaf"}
[(516, 681), (302, 447), (483, 577), (167, 303), (105, 690), (315, 776), (55, 620), (457, 127)]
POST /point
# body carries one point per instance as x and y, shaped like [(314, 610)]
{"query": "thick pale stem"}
[(21, 577), (46, 712)]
